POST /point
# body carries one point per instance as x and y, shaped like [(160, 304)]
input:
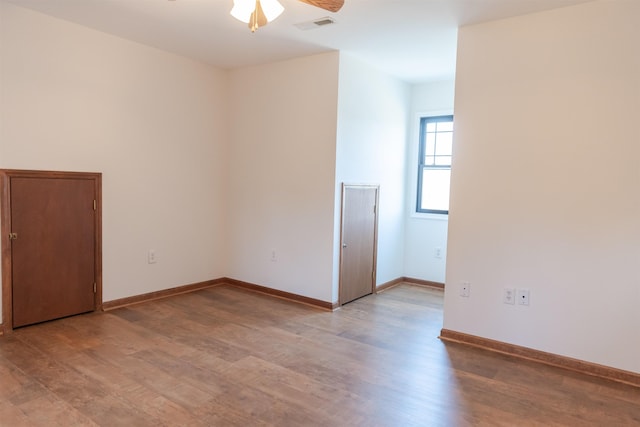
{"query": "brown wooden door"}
[(358, 241), (53, 248)]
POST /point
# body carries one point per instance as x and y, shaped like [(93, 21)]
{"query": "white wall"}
[(213, 170), (424, 232), (282, 169), (545, 182), (373, 115), (153, 123)]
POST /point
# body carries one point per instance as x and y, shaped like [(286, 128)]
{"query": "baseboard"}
[(388, 285), (427, 283), (395, 282), (138, 299), (281, 294), (551, 359)]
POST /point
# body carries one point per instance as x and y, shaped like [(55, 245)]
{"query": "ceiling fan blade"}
[(257, 19), (330, 5)]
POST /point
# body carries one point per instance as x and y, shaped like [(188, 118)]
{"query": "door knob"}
[(13, 236), (344, 245)]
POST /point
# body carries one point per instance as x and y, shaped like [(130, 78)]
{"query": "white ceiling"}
[(414, 40)]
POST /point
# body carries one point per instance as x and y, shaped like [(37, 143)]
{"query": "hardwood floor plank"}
[(226, 356), (299, 390), (11, 415)]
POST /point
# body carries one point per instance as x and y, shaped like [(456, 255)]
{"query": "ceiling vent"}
[(316, 23)]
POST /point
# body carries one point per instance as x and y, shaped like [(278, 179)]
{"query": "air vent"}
[(324, 21), (316, 23)]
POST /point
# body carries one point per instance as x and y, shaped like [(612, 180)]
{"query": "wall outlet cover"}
[(465, 289), (523, 296), (509, 296)]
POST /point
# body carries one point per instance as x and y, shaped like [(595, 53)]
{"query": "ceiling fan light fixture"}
[(243, 9)]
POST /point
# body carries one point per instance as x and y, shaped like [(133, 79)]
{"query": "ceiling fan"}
[(258, 13)]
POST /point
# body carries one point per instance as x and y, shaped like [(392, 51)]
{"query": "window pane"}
[(431, 127), (443, 160), (444, 144), (445, 127), (431, 144), (435, 189)]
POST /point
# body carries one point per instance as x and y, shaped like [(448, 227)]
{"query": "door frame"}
[(375, 235), (5, 229)]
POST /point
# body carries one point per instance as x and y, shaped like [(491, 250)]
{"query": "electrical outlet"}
[(151, 256), (523, 296), (465, 289), (437, 253), (509, 296), (274, 255)]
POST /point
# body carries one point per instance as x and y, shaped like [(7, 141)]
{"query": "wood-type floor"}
[(230, 357)]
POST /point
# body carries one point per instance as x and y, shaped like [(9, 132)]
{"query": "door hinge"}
[(374, 208), (13, 236), (95, 287), (95, 205)]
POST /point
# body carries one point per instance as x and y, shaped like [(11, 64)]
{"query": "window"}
[(434, 164)]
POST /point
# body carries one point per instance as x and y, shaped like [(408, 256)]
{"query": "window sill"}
[(430, 216)]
